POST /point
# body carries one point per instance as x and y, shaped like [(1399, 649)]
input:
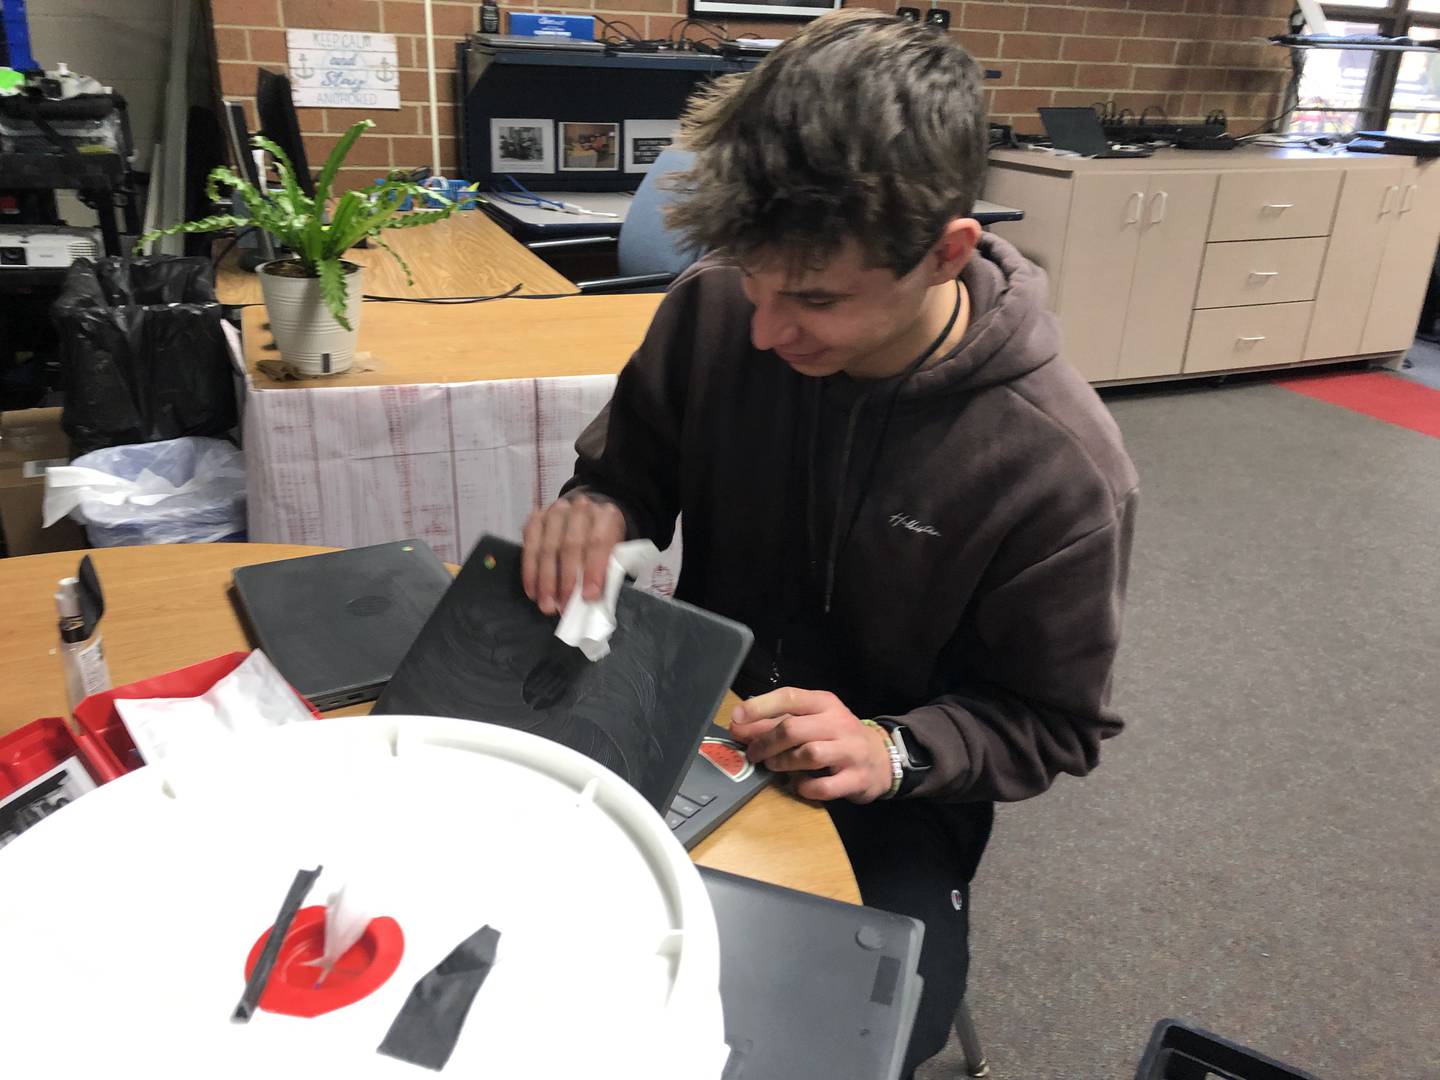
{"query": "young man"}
[(883, 466)]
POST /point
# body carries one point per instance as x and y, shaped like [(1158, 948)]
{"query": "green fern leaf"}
[(332, 288), (409, 277)]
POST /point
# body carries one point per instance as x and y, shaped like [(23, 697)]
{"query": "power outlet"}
[(909, 14), (939, 18)]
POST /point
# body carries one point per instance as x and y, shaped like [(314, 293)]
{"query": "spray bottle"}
[(82, 652)]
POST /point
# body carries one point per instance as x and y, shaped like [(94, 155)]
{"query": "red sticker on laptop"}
[(728, 756)]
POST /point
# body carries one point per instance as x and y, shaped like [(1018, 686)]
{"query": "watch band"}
[(897, 768)]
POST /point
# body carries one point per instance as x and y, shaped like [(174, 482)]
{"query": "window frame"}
[(1394, 20)]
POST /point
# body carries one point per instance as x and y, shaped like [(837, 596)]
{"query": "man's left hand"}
[(810, 731)]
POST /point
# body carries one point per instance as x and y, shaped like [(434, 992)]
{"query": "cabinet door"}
[(1405, 268), (1368, 203), (1171, 250), (1100, 248)]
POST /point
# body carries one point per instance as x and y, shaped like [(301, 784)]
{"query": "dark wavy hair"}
[(862, 126)]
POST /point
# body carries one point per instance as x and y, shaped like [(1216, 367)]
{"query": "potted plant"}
[(313, 296)]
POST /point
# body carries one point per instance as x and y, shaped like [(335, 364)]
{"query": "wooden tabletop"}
[(167, 607), (501, 339), (467, 254)]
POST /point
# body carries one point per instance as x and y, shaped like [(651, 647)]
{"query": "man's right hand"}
[(570, 540)]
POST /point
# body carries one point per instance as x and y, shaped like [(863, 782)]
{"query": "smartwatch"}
[(915, 760)]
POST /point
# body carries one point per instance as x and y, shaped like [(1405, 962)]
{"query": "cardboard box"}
[(30, 441)]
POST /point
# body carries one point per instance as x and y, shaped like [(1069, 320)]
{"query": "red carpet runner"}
[(1387, 397)]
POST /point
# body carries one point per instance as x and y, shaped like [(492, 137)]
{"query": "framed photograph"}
[(522, 146), (589, 147), (41, 797), (646, 140), (760, 9)]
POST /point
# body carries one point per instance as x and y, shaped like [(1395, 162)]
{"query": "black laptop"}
[(1079, 130), (488, 653), (336, 625), (812, 989)]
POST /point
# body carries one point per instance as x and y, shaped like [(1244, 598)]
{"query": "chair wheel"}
[(982, 1070)]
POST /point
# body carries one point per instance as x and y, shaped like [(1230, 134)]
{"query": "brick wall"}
[(1187, 56)]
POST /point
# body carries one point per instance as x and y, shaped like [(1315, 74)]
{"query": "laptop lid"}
[(337, 625), (1076, 129), (813, 989), (488, 653)]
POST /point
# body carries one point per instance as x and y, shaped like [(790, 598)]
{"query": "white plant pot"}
[(305, 331)]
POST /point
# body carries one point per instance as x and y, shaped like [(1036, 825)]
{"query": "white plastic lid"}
[(125, 920)]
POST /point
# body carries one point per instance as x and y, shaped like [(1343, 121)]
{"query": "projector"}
[(57, 246)]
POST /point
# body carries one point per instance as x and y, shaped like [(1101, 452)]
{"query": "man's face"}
[(844, 317)]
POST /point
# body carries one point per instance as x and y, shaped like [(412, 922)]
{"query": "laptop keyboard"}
[(686, 806)]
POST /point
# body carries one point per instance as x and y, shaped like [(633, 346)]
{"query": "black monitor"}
[(278, 122)]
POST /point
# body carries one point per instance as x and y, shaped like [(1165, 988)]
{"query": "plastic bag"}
[(143, 352), (181, 491)]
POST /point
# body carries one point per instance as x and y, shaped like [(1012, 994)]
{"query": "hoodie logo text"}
[(904, 521)]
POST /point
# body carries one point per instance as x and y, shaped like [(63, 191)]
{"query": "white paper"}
[(345, 921), (587, 625), (251, 698)]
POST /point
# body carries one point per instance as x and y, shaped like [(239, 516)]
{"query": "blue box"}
[(569, 27)]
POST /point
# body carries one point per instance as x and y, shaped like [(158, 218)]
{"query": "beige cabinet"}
[(1406, 262), (1172, 246), (1368, 202), (1206, 262), (1131, 249)]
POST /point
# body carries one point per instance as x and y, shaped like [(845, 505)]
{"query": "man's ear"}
[(954, 249)]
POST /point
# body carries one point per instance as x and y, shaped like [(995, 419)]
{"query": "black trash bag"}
[(143, 352)]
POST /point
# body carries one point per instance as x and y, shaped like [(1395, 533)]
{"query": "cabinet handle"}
[(1408, 202), (1133, 206), (1249, 340), (1276, 207), (1157, 207), (1388, 202), (1264, 273)]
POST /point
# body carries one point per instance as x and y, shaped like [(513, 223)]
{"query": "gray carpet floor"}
[(1259, 853)]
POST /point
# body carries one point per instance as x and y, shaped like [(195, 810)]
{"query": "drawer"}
[(1260, 272), (1259, 205), (1223, 339)]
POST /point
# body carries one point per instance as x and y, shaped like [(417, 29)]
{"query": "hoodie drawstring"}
[(838, 537)]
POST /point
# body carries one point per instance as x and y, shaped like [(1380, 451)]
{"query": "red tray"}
[(114, 750), (38, 747)]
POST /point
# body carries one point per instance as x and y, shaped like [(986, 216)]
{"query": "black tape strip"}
[(299, 889), (428, 1025)]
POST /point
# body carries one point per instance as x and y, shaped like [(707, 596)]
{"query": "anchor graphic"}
[(303, 70), (385, 72)]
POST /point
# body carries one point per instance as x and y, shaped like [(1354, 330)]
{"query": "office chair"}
[(649, 255)]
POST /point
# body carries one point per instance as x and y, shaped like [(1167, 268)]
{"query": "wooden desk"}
[(499, 339), (467, 254), (167, 607)]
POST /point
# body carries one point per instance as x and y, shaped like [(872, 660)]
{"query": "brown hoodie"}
[(949, 549)]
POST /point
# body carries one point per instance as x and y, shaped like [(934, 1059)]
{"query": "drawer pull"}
[(1408, 202), (1265, 274), (1249, 340), (1387, 203), (1132, 207), (1276, 207), (1157, 207)]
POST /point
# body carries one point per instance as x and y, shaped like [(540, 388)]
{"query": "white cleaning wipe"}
[(587, 625), (252, 697)]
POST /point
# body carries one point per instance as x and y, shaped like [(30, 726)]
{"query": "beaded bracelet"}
[(897, 772)]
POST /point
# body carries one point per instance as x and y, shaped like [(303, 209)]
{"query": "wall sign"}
[(343, 69)]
